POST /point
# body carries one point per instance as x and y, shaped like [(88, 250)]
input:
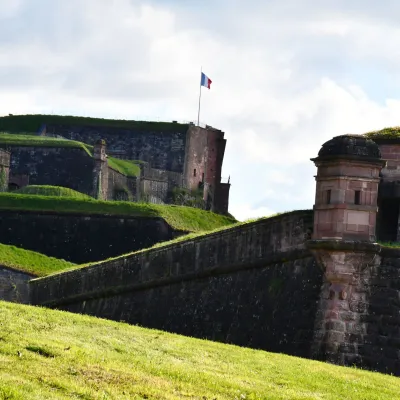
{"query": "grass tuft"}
[(99, 359)]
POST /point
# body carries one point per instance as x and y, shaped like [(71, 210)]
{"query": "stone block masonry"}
[(254, 285), (358, 321), (81, 238), (14, 285)]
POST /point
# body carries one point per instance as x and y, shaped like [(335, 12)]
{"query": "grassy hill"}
[(48, 354), (47, 190), (179, 217), (32, 123), (30, 261)]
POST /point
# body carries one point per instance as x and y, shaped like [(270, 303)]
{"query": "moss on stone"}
[(385, 133)]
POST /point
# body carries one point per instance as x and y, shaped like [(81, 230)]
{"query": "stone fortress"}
[(173, 156), (321, 283), (168, 156)]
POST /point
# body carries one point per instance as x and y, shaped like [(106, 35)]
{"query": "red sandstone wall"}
[(391, 153), (196, 156)]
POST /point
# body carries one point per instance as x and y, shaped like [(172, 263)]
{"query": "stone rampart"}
[(81, 238), (255, 284)]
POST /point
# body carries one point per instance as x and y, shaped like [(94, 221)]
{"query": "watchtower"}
[(347, 189)]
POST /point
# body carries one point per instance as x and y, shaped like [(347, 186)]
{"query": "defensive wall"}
[(14, 285), (81, 238), (194, 154), (254, 285), (69, 167), (263, 284)]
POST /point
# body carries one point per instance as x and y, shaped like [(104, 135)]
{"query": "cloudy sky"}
[(287, 75)]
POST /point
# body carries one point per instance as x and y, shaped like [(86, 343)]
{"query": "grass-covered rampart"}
[(47, 190), (179, 217), (32, 123), (31, 261)]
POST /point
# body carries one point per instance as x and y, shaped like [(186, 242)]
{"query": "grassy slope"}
[(32, 123), (179, 217), (10, 139), (48, 354), (47, 190), (125, 167), (30, 261)]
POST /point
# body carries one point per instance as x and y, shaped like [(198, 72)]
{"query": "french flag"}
[(205, 81)]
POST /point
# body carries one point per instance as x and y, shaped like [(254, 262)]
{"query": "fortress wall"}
[(163, 150), (118, 183), (255, 285), (377, 345), (81, 238), (14, 285), (61, 166)]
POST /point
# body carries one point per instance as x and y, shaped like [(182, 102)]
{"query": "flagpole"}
[(198, 113)]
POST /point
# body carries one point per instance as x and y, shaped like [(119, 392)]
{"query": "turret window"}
[(328, 196), (194, 172), (357, 197)]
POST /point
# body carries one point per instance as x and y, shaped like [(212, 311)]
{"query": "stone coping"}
[(344, 245)]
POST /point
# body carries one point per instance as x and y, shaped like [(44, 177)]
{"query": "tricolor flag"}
[(205, 81)]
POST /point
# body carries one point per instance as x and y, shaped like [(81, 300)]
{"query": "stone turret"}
[(99, 152), (100, 171), (343, 243), (347, 189)]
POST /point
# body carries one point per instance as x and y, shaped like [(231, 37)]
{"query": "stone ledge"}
[(344, 245)]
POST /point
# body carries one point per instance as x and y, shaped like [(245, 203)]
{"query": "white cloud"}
[(286, 76), (243, 212)]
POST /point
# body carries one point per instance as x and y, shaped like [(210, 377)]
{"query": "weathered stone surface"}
[(14, 285), (81, 238), (163, 150), (253, 285)]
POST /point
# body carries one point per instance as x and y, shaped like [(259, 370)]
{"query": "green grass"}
[(49, 354), (125, 167), (393, 245), (47, 190), (10, 139), (385, 133), (179, 217), (32, 123), (30, 261)]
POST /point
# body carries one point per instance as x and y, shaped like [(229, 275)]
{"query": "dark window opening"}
[(194, 172), (328, 196), (202, 177), (357, 197)]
